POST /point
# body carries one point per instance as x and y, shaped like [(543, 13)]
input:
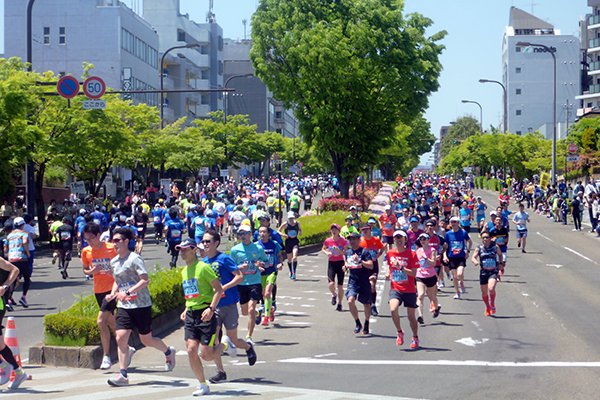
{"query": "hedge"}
[(362, 200), (77, 326), (315, 228)]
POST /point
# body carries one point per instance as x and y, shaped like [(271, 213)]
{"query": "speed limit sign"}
[(94, 87)]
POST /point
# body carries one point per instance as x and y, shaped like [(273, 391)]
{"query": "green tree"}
[(190, 150), (460, 130), (351, 69)]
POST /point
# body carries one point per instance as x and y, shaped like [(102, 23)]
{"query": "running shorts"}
[(196, 329), (140, 318), (335, 269), (409, 299), (250, 292)]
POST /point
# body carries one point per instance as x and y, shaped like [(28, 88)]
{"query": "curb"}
[(91, 356)]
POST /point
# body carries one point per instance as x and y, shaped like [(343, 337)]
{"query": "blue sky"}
[(473, 45)]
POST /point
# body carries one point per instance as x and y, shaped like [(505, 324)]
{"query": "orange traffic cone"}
[(12, 341)]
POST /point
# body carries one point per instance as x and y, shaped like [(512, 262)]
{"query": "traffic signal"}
[(456, 142)]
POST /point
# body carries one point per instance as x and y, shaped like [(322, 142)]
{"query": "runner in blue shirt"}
[(521, 219), (269, 275), (456, 258), (174, 230), (158, 215)]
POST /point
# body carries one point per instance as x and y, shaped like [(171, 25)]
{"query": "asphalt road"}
[(542, 343)]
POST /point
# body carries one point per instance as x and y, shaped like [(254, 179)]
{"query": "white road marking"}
[(307, 305), (554, 265), (326, 355), (456, 363), (293, 313), (580, 255), (477, 325), (470, 341), (310, 291), (547, 238), (525, 294)]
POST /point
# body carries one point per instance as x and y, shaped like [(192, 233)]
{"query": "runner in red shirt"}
[(388, 224), (375, 246), (402, 268)]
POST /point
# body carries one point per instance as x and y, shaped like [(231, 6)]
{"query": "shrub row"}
[(77, 326), (482, 182), (315, 229)]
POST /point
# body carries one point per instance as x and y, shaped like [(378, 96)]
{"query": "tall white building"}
[(528, 74), (589, 31)]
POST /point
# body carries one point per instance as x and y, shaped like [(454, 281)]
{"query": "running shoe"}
[(339, 307), (118, 380), (272, 314), (498, 278), (488, 311), (66, 274), (131, 353), (251, 354), (501, 272), (249, 340), (62, 273), (462, 288), (293, 276), (436, 313), (333, 300), (518, 244), (23, 302), (523, 251), (374, 311), (400, 338), (220, 377), (87, 277), (358, 327), (366, 330), (414, 343), (432, 308), (231, 348), (9, 307), (457, 296), (6, 371), (265, 321), (201, 390), (274, 306), (442, 284), (493, 310), (60, 267), (19, 378), (259, 314), (106, 364), (420, 320), (55, 257), (170, 360)]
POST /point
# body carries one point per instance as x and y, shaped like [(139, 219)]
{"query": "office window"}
[(589, 105), (518, 49), (518, 70), (62, 35), (519, 133), (220, 43), (518, 91), (46, 35), (180, 36), (220, 67), (518, 112)]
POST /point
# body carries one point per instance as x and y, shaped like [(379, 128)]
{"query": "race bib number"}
[(488, 263), (423, 264), (97, 221), (500, 240), (65, 235), (399, 276), (156, 220), (125, 287), (251, 268), (465, 217), (351, 263), (292, 233), (456, 247), (413, 247), (387, 225), (424, 213), (103, 264), (335, 250), (190, 288), (140, 228), (175, 233)]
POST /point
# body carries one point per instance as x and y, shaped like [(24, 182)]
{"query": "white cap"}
[(291, 214), (401, 233), (387, 207), (455, 218), (245, 228)]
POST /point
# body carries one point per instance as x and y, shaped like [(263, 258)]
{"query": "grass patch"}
[(393, 184), (315, 228), (51, 339)]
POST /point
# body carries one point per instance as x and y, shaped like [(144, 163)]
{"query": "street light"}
[(480, 113), (225, 106), (505, 101), (162, 63), (553, 106)]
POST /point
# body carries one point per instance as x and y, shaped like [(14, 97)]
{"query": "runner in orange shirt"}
[(388, 223), (375, 247)]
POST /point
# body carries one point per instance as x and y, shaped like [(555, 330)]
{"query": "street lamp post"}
[(480, 113), (553, 105), (226, 104), (162, 64), (505, 119), (30, 169)]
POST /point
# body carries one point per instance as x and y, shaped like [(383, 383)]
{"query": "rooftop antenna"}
[(244, 21), (210, 17), (532, 5)]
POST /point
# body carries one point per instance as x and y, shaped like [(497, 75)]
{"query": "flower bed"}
[(362, 200)]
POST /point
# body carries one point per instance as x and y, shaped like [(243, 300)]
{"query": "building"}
[(189, 68), (66, 33), (437, 147), (589, 32), (527, 74)]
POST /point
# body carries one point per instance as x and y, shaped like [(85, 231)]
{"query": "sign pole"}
[(279, 199)]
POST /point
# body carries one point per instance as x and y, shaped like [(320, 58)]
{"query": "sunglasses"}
[(485, 237), (206, 241), (117, 240), (423, 239), (244, 233)]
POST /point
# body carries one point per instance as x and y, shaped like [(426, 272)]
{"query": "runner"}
[(358, 261), (295, 203), (174, 231), (438, 243), (8, 275), (456, 256), (158, 216), (134, 309), (269, 275), (480, 207), (426, 276), (402, 268), (141, 224), (291, 231), (335, 247), (487, 255), (499, 235), (466, 214), (376, 248), (355, 218), (65, 235), (251, 260), (348, 229), (18, 254), (388, 224), (230, 276), (96, 262), (521, 219), (202, 292)]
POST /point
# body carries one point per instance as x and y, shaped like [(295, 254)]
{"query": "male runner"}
[(521, 219), (358, 261), (376, 248), (456, 257), (269, 275)]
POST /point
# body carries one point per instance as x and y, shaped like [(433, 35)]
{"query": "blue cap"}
[(414, 219)]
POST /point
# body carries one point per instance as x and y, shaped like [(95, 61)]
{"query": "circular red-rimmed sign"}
[(67, 87), (94, 87), (301, 164), (572, 148)]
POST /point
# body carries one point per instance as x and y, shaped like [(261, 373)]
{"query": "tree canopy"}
[(352, 70)]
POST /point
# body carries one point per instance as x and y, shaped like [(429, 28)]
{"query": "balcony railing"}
[(594, 43), (594, 19), (594, 89), (594, 66)]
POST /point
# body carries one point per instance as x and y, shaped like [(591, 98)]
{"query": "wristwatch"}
[(127, 293), (211, 309), (5, 287)]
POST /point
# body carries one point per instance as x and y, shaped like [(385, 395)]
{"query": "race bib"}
[(103, 264), (399, 276), (488, 263), (65, 235), (423, 213), (156, 220), (175, 233), (423, 264), (190, 288), (335, 250), (387, 225), (456, 246), (125, 287), (292, 233), (500, 240), (97, 221), (413, 247), (251, 268), (465, 217), (140, 228)]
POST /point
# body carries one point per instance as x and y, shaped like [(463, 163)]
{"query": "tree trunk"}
[(338, 169), (39, 203)]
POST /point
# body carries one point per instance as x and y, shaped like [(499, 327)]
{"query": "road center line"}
[(469, 363), (547, 238)]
